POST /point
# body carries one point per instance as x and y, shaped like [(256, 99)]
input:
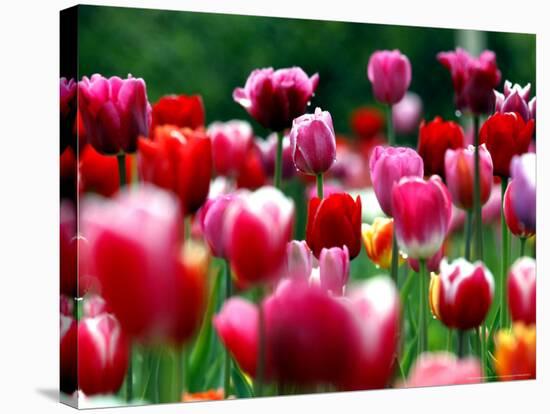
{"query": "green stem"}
[(391, 132), (484, 354), (468, 231), (504, 261), (320, 185), (227, 368), (394, 258), (522, 242), (462, 338), (278, 161), (477, 194), (180, 374), (129, 379), (449, 339), (423, 309), (121, 158)]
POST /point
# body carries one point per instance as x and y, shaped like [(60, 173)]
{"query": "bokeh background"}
[(211, 54)]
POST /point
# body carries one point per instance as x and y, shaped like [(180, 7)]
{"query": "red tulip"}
[(506, 135), (334, 221), (230, 144), (275, 98), (179, 160), (68, 174), (462, 294), (522, 293), (68, 349), (443, 369), (99, 173), (182, 111), (389, 71), (103, 352), (67, 112), (252, 175), (367, 122), (435, 138), (257, 227)]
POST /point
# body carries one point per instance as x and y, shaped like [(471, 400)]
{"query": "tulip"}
[(522, 296), (68, 259), (422, 214), (94, 305), (334, 221), (230, 143), (179, 160), (275, 97), (459, 175), (473, 78), (516, 353), (182, 111), (313, 142), (516, 226), (461, 295), (533, 108), (390, 75), (435, 138), (387, 166), (103, 353), (237, 326), (514, 99), (432, 264), (505, 135), (377, 309), (268, 152), (252, 174), (115, 112), (68, 350), (367, 122), (99, 173), (257, 228), (67, 113), (524, 173), (406, 113), (334, 269), (212, 215), (443, 368), (377, 239), (298, 260), (66, 305)]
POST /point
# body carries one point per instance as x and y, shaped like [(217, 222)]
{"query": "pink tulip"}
[(115, 112), (95, 305), (103, 352), (334, 269), (275, 97), (212, 215), (443, 368), (377, 309), (268, 152), (230, 144), (422, 215), (459, 174), (299, 260), (257, 228), (390, 75), (387, 166), (514, 99), (522, 293), (313, 142), (406, 114)]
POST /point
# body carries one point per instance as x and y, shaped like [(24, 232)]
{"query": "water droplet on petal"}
[(458, 113)]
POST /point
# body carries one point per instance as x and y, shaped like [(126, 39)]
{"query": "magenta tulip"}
[(422, 215), (257, 228), (443, 368), (212, 215), (275, 97), (230, 144), (406, 114), (524, 174), (115, 112), (522, 291), (387, 166), (389, 71), (334, 269), (299, 260), (514, 99), (313, 142)]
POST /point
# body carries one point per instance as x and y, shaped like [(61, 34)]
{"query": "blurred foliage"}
[(211, 54)]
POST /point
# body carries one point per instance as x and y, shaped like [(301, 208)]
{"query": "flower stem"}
[(522, 242), (227, 368), (422, 310), (279, 161), (121, 158), (129, 378), (394, 258), (504, 261), (391, 132), (468, 231), (320, 185), (477, 194), (260, 368), (462, 338), (484, 353), (180, 374)]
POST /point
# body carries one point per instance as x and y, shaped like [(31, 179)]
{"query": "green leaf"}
[(407, 359), (242, 387)]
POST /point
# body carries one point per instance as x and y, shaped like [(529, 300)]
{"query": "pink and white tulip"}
[(443, 368), (334, 269), (230, 144), (522, 291), (299, 260)]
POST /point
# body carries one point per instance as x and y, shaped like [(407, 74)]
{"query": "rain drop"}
[(458, 113)]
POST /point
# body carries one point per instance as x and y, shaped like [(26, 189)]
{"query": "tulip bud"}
[(257, 228), (313, 142), (180, 111), (390, 75), (422, 215), (299, 260), (275, 98), (517, 227), (459, 175), (378, 240), (505, 135), (334, 221), (406, 114), (443, 368), (68, 350), (522, 294), (115, 112), (516, 353), (524, 174), (230, 144), (387, 166), (103, 353), (514, 99), (435, 138), (461, 295), (268, 152), (334, 269)]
